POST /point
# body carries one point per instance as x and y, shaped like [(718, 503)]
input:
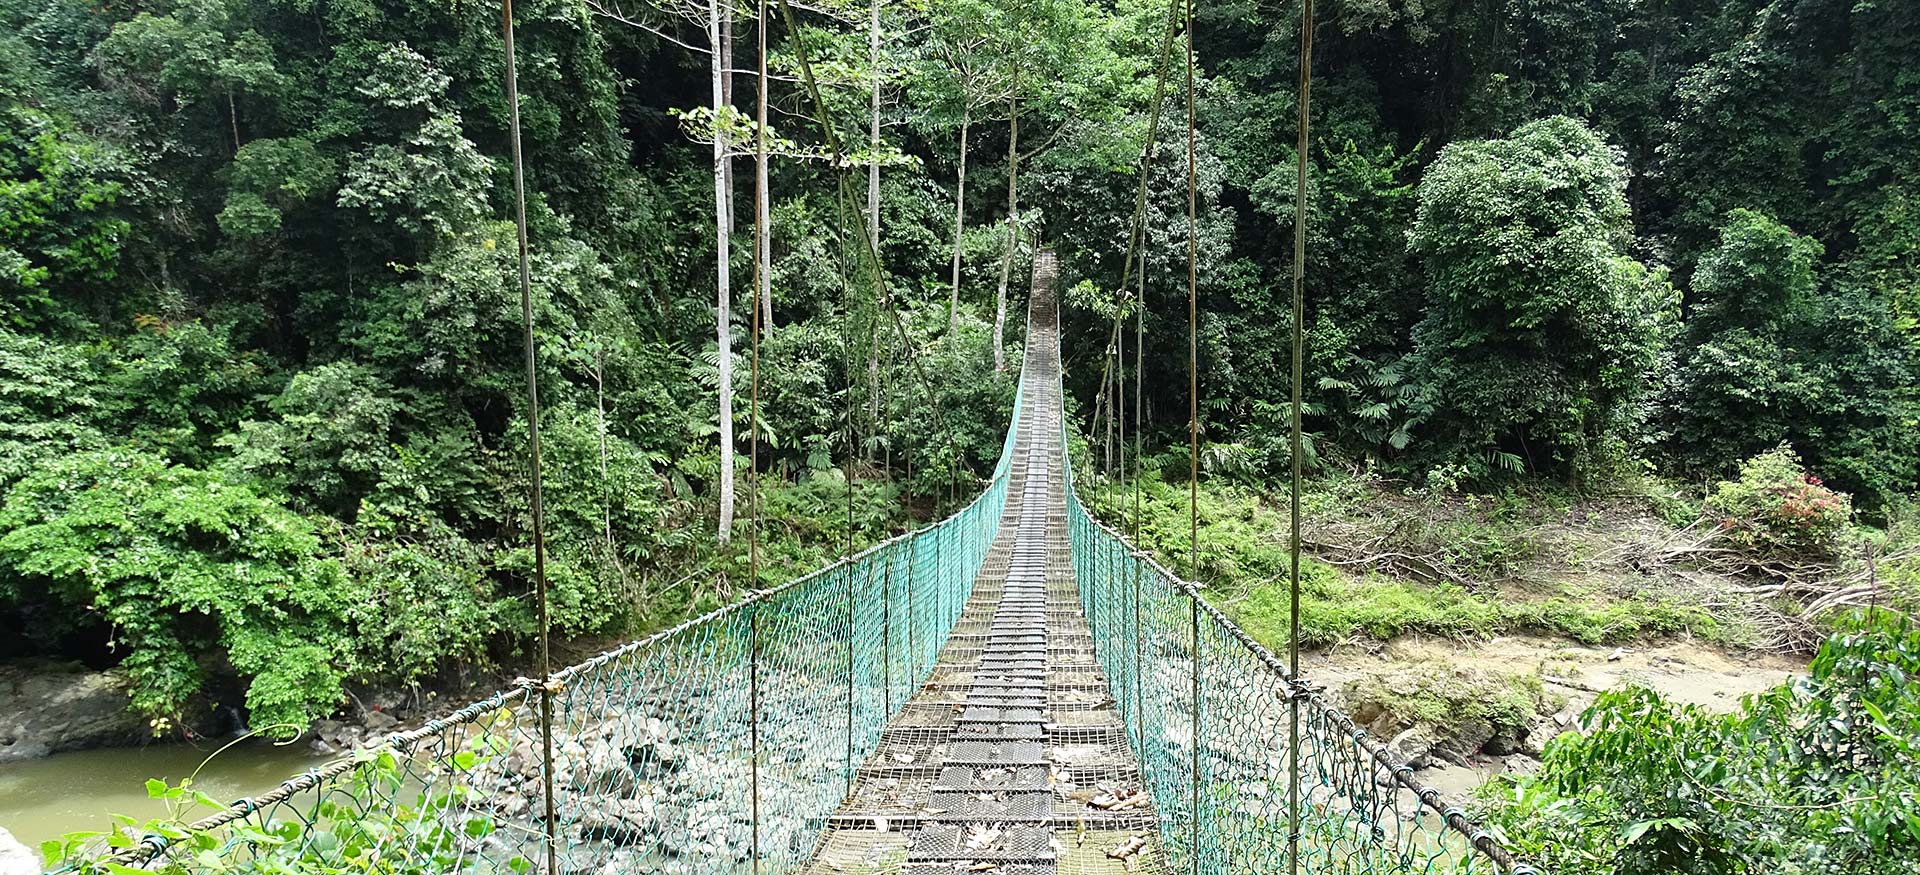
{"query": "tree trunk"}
[(763, 249), (725, 48), (1013, 228), (722, 280), (959, 226), (600, 404), (873, 201), (233, 116), (767, 240)]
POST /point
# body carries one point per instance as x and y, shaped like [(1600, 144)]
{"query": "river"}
[(73, 791)]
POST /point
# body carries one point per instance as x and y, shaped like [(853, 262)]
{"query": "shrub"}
[(1814, 776), (1776, 508), (177, 562)]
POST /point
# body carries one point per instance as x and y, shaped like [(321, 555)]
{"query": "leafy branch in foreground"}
[(1818, 775)]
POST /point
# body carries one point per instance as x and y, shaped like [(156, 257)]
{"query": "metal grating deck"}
[(995, 765)]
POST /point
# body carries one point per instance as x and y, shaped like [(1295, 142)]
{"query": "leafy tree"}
[(49, 395), (201, 54), (1540, 330), (1739, 372), (153, 551), (62, 225), (270, 177), (433, 184), (331, 443), (958, 75), (1772, 357)]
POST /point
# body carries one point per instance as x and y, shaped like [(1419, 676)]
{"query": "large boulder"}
[(616, 820), (48, 706), (15, 858)]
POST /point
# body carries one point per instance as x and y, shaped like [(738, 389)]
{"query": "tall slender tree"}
[(960, 75)]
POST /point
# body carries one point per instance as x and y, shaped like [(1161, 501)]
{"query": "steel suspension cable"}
[(550, 823), (1193, 423), (1299, 358), (869, 249), (761, 252), (1136, 233)]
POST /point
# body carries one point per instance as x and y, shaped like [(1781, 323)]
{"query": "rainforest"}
[(1611, 353)]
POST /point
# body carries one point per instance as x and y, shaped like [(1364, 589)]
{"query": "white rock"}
[(15, 858)]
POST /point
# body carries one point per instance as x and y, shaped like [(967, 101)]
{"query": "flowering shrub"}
[(1776, 508)]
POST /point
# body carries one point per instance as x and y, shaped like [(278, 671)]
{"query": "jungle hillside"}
[(1612, 343)]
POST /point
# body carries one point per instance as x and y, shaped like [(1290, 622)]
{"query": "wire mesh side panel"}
[(1142, 639), (1221, 777), (650, 760), (438, 805), (722, 744)]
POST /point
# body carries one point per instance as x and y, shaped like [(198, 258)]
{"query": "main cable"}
[(761, 252), (1299, 359), (868, 248), (550, 825), (1136, 240), (1193, 422)]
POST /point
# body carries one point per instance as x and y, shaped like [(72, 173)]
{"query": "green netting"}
[(722, 744), (725, 743), (1225, 810)]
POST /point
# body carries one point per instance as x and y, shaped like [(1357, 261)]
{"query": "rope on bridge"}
[(653, 763), (1219, 787)]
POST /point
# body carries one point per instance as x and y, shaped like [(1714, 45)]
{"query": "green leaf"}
[(156, 788)]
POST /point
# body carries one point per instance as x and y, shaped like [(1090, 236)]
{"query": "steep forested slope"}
[(260, 411)]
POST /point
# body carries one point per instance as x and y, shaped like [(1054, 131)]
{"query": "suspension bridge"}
[(1015, 689)]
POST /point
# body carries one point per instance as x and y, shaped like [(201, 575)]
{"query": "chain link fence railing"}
[(1209, 713), (721, 744)]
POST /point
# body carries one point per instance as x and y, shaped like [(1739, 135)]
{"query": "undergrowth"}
[(1243, 562)]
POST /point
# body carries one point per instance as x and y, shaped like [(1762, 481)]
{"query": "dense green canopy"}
[(259, 329)]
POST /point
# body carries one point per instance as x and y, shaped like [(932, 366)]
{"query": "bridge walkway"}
[(1012, 759)]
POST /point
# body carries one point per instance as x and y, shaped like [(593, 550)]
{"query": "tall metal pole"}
[(852, 646), (1193, 423), (761, 290), (1299, 356), (550, 826), (1139, 683), (886, 636), (1193, 605), (753, 710)]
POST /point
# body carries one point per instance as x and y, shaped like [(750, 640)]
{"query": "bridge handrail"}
[(1479, 838), (150, 848)]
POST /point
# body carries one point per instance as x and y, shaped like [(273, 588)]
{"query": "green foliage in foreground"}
[(383, 815), (1819, 776), (1243, 557)]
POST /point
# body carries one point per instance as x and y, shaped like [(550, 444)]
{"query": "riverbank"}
[(41, 799)]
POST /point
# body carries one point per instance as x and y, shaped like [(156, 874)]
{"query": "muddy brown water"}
[(78, 790)]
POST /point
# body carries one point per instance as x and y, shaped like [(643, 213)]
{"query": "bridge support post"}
[(852, 654), (1099, 569), (1193, 842), (886, 634), (1139, 684), (913, 649), (753, 718)]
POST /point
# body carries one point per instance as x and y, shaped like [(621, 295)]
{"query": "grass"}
[(1243, 562)]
